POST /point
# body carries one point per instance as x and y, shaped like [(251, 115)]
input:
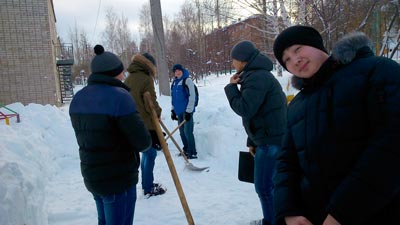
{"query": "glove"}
[(155, 141), (188, 116), (173, 115)]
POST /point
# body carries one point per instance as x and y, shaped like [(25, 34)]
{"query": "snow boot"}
[(156, 190)]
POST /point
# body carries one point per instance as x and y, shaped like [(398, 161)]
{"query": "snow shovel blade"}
[(190, 166)]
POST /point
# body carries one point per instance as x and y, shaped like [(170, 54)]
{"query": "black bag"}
[(246, 167)]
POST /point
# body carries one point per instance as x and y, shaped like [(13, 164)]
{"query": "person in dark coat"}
[(142, 72), (261, 103), (110, 134), (340, 157)]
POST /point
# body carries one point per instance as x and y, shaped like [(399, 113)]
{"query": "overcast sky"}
[(84, 13)]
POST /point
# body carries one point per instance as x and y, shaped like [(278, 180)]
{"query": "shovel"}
[(189, 165), (167, 154), (179, 126)]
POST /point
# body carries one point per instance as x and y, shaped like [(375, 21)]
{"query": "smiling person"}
[(340, 158)]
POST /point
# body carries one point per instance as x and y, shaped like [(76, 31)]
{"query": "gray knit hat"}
[(297, 35), (243, 51), (150, 58), (106, 63)]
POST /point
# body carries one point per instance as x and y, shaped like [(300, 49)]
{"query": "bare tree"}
[(110, 32), (82, 51), (146, 29)]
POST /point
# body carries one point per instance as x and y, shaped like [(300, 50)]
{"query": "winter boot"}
[(156, 190)]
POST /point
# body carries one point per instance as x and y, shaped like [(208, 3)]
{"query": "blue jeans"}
[(187, 137), (264, 169), (147, 166), (116, 209)]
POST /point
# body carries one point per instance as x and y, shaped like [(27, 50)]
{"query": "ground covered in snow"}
[(40, 180)]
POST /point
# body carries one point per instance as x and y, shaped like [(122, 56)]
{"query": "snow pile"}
[(40, 180)]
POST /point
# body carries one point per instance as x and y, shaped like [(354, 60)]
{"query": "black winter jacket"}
[(110, 135), (340, 153), (260, 102)]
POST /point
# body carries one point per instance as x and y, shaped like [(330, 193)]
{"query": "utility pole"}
[(159, 41)]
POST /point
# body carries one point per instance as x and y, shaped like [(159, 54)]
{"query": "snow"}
[(41, 183)]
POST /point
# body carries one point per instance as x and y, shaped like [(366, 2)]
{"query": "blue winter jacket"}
[(182, 101), (110, 135)]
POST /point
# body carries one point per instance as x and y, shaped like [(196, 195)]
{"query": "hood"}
[(346, 49), (350, 47), (184, 75), (258, 61), (141, 63)]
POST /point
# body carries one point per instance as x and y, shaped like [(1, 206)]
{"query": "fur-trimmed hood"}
[(139, 62), (343, 52)]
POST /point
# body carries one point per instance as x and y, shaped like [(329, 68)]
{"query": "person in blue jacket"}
[(340, 158), (110, 134), (183, 108)]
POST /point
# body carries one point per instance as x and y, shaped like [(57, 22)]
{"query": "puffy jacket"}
[(260, 102), (182, 101), (340, 153), (140, 80), (110, 135)]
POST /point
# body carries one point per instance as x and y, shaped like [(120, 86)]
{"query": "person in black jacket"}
[(110, 135), (340, 158), (262, 105)]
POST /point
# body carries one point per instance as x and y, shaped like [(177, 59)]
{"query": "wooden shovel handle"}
[(179, 126), (167, 154)]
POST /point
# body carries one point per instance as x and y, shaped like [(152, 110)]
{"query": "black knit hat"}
[(177, 67), (297, 35), (150, 58), (106, 63), (243, 51)]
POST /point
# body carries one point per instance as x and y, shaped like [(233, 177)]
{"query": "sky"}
[(41, 182), (84, 14)]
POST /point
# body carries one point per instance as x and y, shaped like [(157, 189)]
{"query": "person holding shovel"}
[(183, 107), (142, 72), (261, 103)]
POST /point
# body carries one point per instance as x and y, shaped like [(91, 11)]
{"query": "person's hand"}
[(235, 79), (297, 220), (252, 151), (329, 220), (173, 115), (188, 116)]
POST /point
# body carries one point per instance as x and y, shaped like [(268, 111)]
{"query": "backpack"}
[(196, 99)]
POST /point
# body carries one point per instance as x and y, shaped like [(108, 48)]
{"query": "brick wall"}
[(27, 63)]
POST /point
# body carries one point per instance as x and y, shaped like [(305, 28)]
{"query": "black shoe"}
[(192, 157), (156, 185), (155, 191)]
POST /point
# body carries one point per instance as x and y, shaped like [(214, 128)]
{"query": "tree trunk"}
[(158, 30)]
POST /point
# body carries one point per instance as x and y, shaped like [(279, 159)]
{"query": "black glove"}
[(155, 141), (188, 116), (173, 115)]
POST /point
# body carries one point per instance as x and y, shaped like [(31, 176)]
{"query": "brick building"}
[(220, 42), (29, 70)]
